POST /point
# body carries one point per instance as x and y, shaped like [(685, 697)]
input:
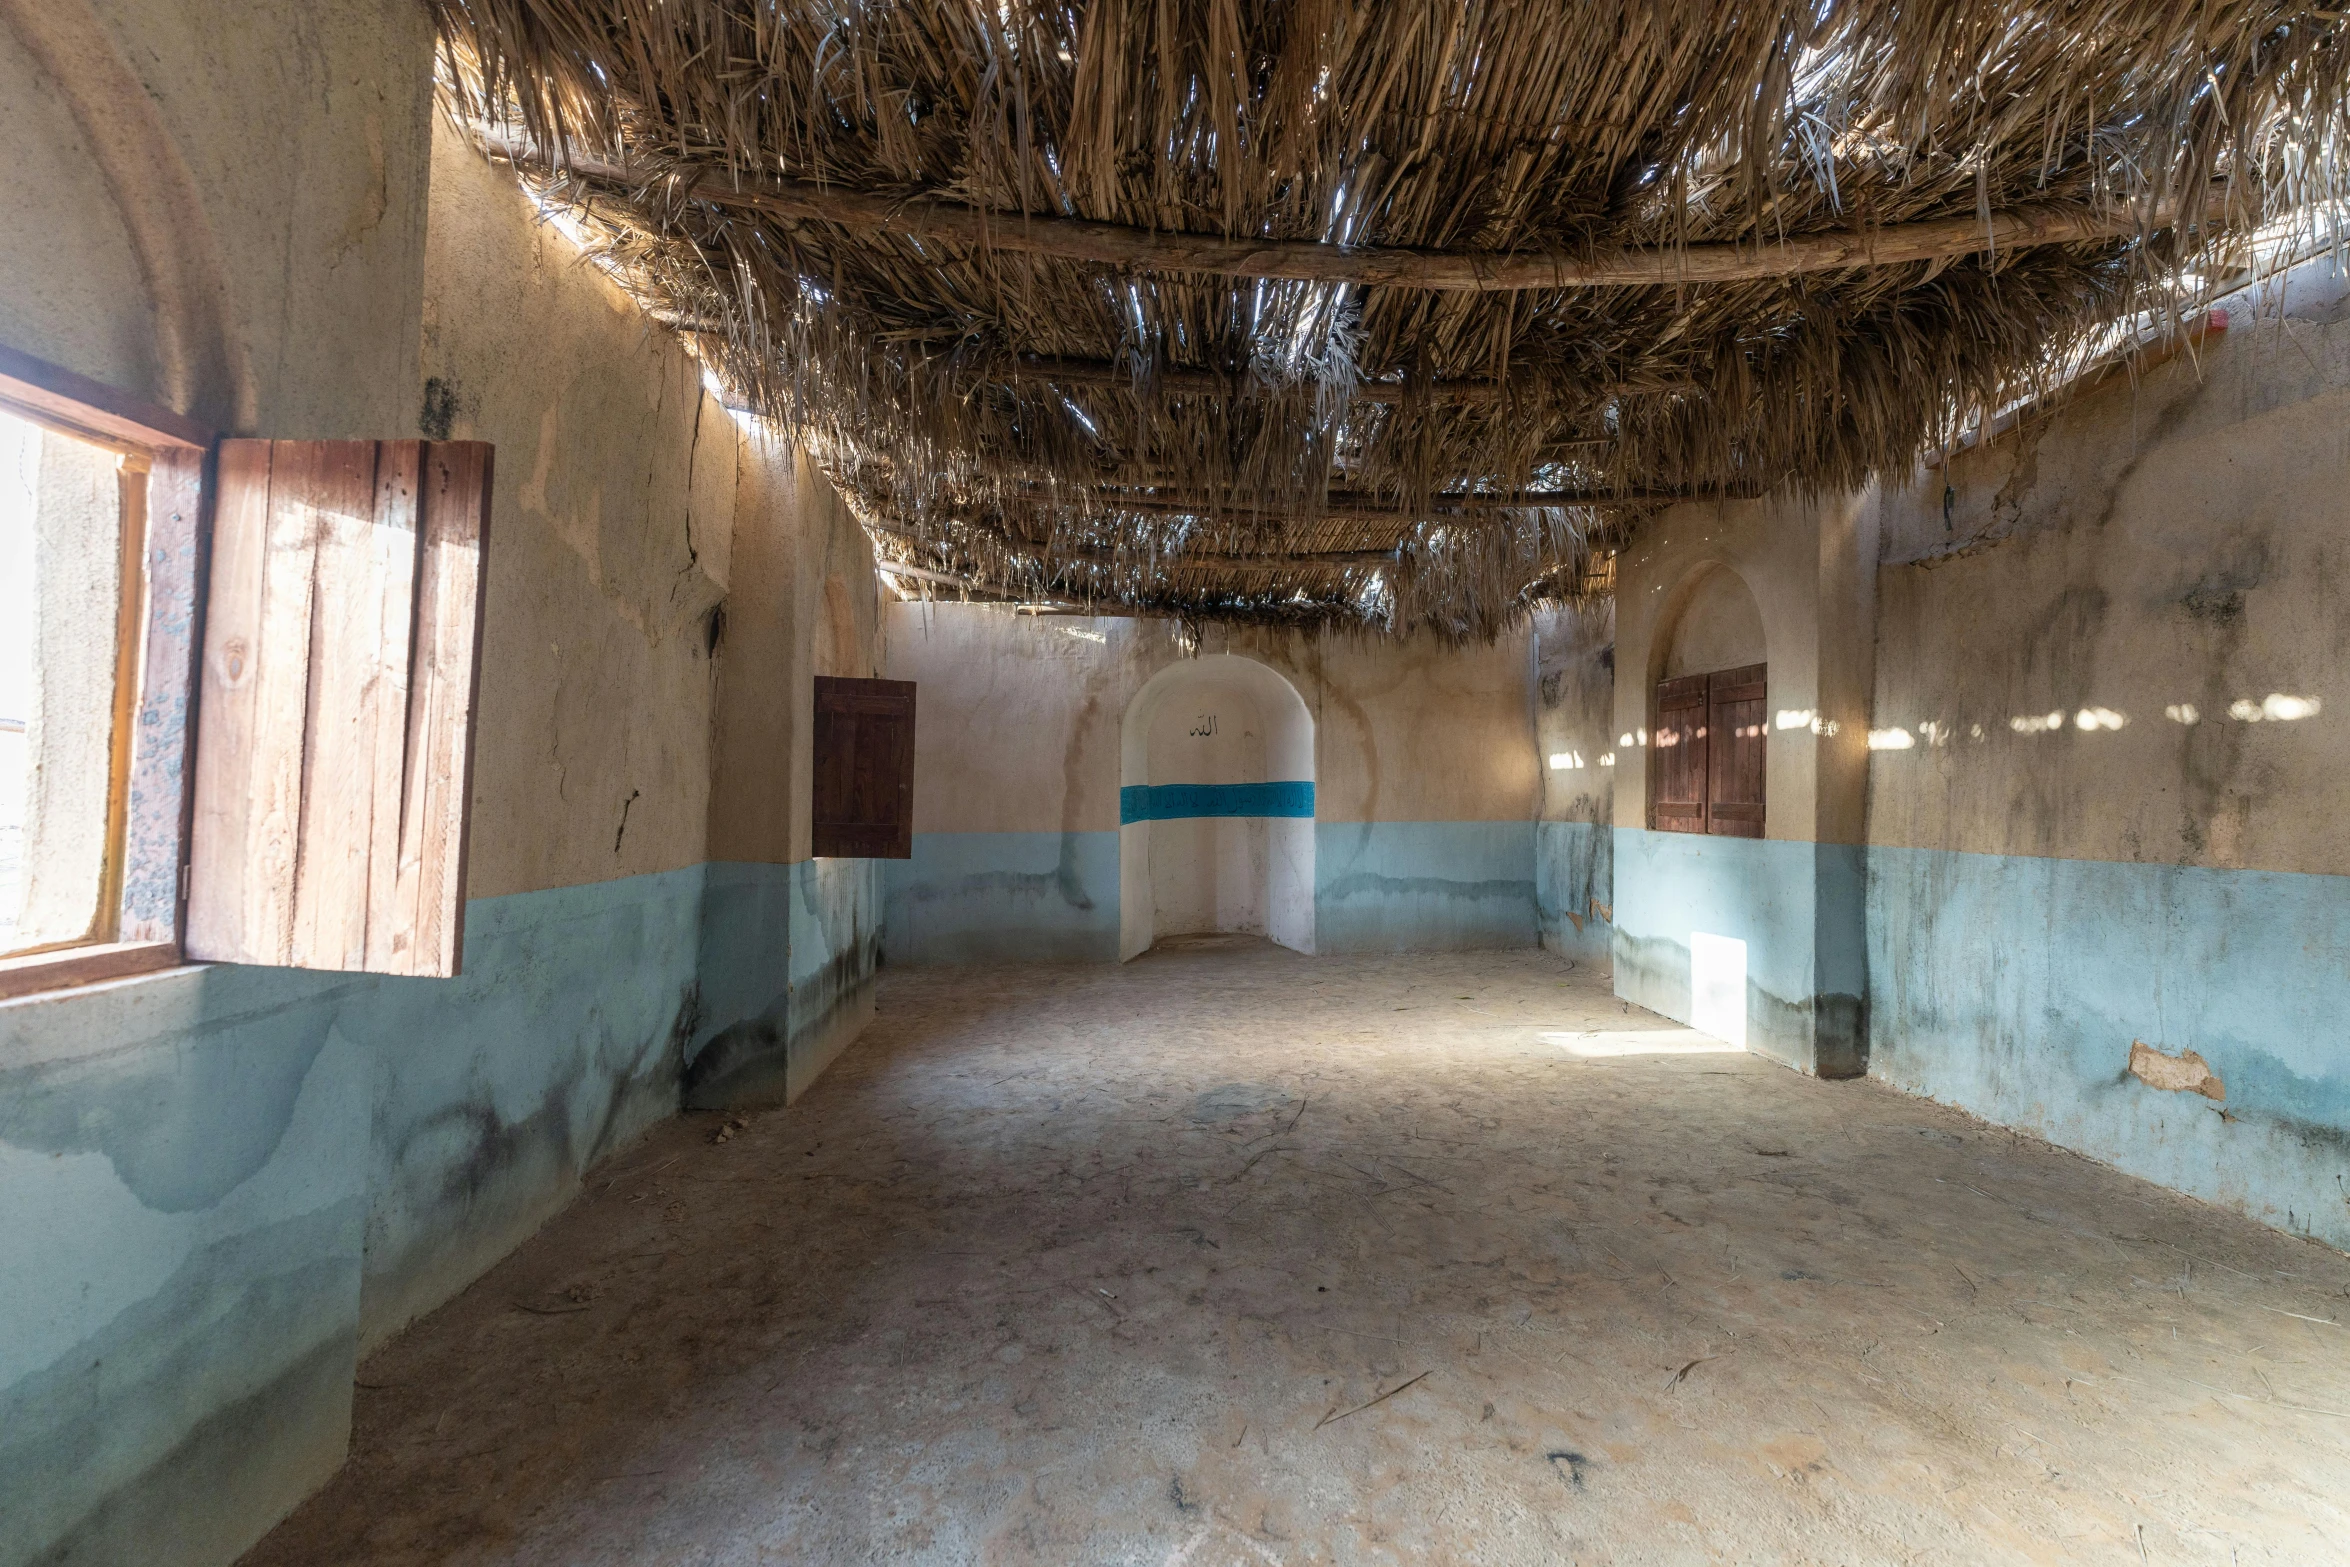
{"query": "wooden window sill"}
[(39, 971)]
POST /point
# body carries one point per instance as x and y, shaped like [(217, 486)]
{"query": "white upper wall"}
[(2126, 639), (1719, 627), (1019, 716), (219, 205)]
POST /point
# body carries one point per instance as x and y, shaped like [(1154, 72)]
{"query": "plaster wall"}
[(69, 720), (1718, 628), (790, 944), (804, 601), (1425, 783), (230, 1181), (1574, 844), (236, 232), (217, 205), (2061, 863), (1807, 569)]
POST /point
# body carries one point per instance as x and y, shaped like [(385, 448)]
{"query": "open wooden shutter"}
[(1735, 737), (334, 747), (1676, 758), (863, 804)]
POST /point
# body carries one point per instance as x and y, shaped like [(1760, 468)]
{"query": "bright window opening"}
[(68, 641)]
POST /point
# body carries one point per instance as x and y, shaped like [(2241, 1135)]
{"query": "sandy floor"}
[(1231, 1256)]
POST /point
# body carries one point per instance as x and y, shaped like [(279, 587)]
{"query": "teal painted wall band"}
[(1174, 802)]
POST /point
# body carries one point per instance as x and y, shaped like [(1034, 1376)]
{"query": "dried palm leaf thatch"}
[(1222, 307)]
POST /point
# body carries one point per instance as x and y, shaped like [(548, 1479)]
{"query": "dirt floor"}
[(1230, 1256)]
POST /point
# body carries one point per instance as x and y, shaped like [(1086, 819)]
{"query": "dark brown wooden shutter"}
[(1706, 759), (334, 747), (864, 795), (1736, 724), (1676, 758)]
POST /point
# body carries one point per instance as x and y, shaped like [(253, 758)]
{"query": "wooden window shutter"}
[(1676, 758), (334, 746), (863, 806), (1736, 725), (1705, 771)]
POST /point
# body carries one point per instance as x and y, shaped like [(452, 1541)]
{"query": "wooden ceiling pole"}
[(1183, 381), (1463, 390), (929, 219), (1079, 555), (1342, 504)]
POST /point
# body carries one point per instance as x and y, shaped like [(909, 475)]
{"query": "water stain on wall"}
[(185, 1128), (275, 1428), (2211, 757)]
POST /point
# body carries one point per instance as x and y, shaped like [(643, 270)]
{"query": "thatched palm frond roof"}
[(1373, 309)]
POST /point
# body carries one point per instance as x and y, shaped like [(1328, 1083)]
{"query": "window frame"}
[(1705, 696), (165, 521)]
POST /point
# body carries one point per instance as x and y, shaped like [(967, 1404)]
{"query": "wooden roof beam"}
[(1213, 383), (931, 220), (1342, 504), (1079, 555), (1184, 381)]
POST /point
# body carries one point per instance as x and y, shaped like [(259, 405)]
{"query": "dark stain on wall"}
[(1840, 1032), (1574, 873), (2057, 654), (2217, 606), (470, 1176), (2008, 502), (500, 1154), (2314, 1112), (266, 1313), (1062, 882), (1074, 768), (2216, 597), (2064, 642), (1321, 695), (183, 1128), (749, 1062), (842, 982), (739, 1060), (1357, 884), (439, 415)]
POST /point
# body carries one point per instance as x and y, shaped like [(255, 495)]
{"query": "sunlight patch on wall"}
[(1717, 987), (2276, 707)]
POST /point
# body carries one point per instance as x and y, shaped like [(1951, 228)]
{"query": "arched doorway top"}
[(1716, 624), (1289, 742)]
